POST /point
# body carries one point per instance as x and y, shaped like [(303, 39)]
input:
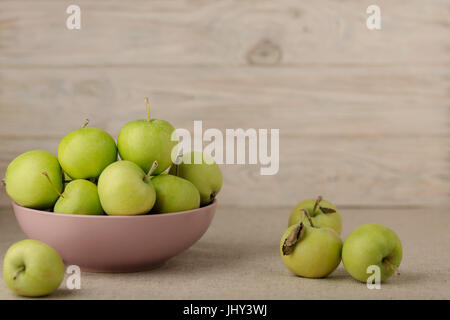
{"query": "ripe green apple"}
[(145, 141), (372, 244), (125, 190), (84, 153), (32, 269), (205, 175), (310, 252), (322, 212), (25, 183), (79, 197), (174, 194)]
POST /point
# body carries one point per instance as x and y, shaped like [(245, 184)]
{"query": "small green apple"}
[(174, 194), (32, 269), (25, 183), (79, 197), (125, 190), (145, 141), (205, 175), (372, 244), (309, 251), (84, 153), (322, 212)]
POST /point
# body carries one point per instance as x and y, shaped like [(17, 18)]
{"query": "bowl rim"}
[(105, 216)]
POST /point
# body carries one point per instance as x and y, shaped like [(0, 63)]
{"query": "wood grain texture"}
[(226, 32), (312, 101), (363, 115)]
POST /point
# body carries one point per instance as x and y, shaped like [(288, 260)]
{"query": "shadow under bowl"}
[(116, 243)]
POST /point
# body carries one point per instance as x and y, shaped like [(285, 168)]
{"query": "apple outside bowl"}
[(116, 243)]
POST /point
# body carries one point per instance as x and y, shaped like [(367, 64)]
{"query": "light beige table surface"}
[(238, 259)]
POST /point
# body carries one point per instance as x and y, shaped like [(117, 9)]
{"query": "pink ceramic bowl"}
[(115, 243)]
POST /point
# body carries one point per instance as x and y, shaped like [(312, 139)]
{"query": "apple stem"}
[(4, 182), (305, 212), (16, 274), (51, 183), (147, 103), (316, 204), (86, 122), (152, 169), (392, 266), (168, 169)]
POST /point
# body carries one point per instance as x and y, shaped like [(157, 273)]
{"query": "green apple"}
[(372, 244), (25, 183), (174, 194), (79, 197), (32, 269), (322, 212), (86, 152), (203, 172), (145, 141), (310, 252), (125, 190)]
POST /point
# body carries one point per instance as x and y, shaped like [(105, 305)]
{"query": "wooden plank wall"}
[(363, 115)]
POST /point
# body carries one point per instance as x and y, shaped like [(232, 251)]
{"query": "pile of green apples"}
[(87, 177), (312, 248)]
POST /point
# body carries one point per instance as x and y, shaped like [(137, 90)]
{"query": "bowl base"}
[(123, 270)]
